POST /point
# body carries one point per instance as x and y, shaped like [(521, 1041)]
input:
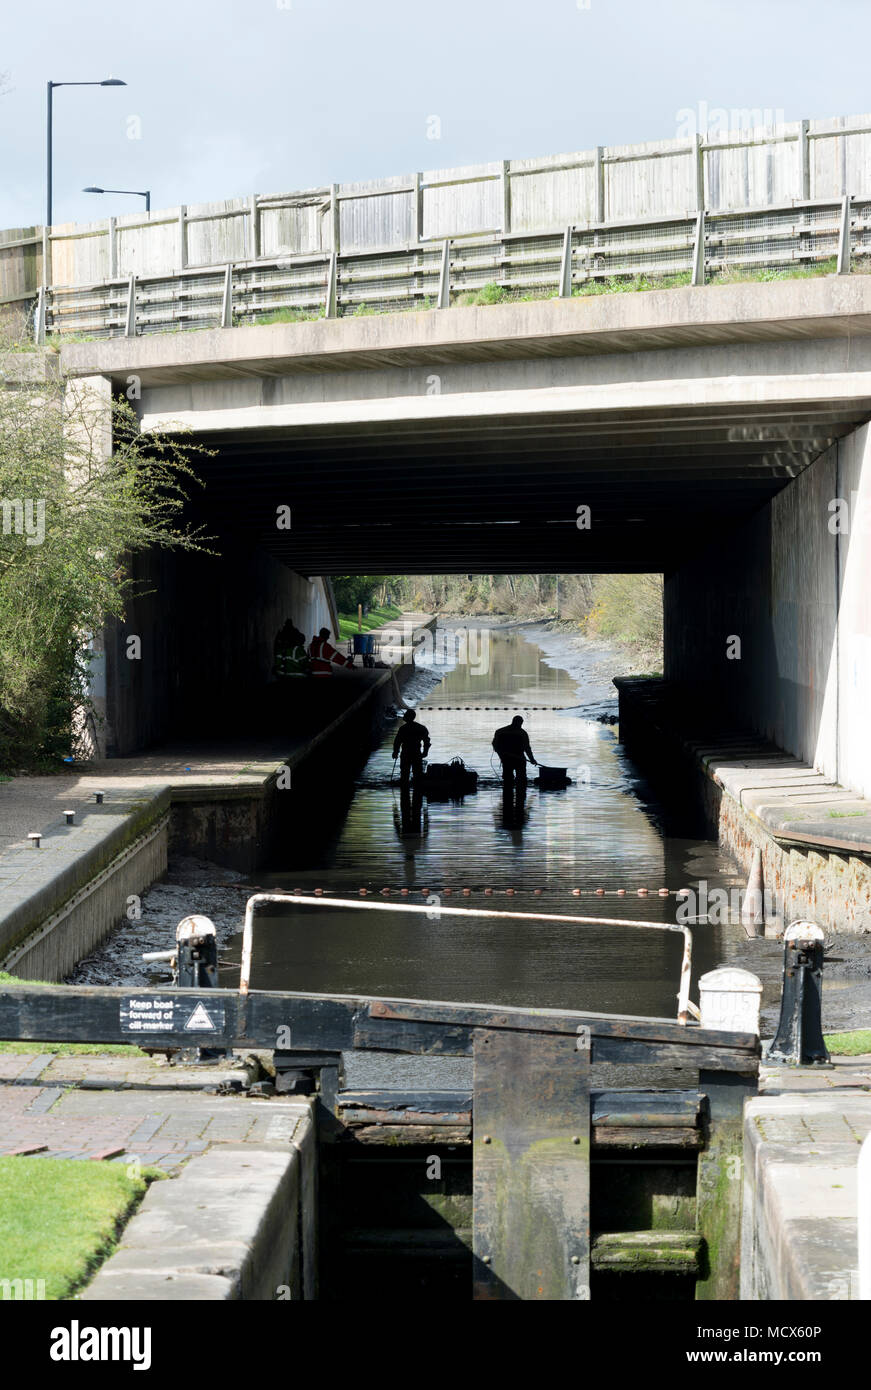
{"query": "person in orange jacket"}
[(324, 655)]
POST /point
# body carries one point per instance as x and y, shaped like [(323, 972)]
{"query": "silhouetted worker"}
[(324, 655), (511, 743), (411, 746), (289, 652)]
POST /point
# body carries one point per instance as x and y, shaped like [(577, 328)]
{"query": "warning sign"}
[(167, 1013), (200, 1021)]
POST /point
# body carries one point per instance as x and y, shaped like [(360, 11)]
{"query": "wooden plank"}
[(396, 1134), (429, 1101), (531, 1151), (647, 1137), (332, 1023), (559, 1021), (720, 1185), (355, 1116), (648, 1252), (648, 1107), (425, 1039), (689, 1055)]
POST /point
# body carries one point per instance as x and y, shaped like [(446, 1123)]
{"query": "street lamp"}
[(133, 192), (50, 86)]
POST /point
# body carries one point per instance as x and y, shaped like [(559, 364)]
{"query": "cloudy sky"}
[(229, 97)]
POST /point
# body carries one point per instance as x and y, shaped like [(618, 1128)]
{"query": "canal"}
[(586, 850)]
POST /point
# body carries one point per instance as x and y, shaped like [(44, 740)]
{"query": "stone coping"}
[(802, 1136), (788, 797)]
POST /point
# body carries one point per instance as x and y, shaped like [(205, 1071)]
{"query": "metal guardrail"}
[(523, 266), (684, 1006)]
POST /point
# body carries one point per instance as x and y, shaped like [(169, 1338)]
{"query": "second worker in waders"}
[(511, 743), (411, 746)]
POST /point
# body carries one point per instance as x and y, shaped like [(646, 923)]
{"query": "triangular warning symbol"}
[(200, 1021)]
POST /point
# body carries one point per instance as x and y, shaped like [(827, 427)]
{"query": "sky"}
[(229, 97)]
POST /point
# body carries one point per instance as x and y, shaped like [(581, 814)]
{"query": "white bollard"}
[(730, 1000)]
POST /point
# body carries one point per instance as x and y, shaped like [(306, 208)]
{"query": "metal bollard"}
[(197, 953), (197, 964), (194, 963), (799, 1037)]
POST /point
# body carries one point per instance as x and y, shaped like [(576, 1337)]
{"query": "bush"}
[(70, 517)]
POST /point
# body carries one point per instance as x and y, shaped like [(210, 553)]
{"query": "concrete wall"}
[(796, 591), (55, 911), (206, 631)]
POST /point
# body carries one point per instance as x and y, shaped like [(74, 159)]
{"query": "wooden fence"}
[(769, 197)]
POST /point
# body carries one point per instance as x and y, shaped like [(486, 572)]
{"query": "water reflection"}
[(567, 850)]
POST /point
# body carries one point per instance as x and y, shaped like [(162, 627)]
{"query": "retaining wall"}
[(55, 909)]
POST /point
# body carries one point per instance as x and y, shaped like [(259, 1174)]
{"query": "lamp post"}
[(50, 86), (133, 192)]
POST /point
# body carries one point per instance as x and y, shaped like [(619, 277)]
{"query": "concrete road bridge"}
[(704, 432)]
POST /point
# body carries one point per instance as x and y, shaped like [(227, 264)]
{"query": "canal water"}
[(551, 855)]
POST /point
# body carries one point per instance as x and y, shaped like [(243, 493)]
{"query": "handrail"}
[(697, 242), (684, 1006)]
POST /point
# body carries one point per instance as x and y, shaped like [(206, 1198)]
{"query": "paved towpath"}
[(802, 1138), (37, 803), (131, 1108)]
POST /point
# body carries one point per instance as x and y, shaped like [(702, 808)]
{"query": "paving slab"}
[(802, 1136), (232, 1215)]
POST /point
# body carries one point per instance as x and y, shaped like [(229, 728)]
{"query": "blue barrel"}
[(364, 644)]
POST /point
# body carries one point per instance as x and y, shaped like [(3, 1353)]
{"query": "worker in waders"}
[(411, 746), (324, 656), (289, 652), (511, 743)]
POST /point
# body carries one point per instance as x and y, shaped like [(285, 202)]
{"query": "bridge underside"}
[(708, 431), (502, 495)]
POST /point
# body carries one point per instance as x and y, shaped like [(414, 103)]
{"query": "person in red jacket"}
[(324, 655)]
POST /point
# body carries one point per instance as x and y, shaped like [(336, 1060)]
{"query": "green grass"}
[(635, 284), (803, 272), (7, 979), (854, 1044), (487, 294), (631, 284), (62, 1218), (67, 1049), (288, 316), (63, 1049), (56, 341), (374, 618)]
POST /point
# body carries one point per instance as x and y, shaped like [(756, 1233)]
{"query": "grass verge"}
[(64, 1049), (374, 618), (854, 1044), (61, 1219)]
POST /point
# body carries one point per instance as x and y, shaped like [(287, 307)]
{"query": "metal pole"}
[(844, 239), (48, 86), (698, 272)]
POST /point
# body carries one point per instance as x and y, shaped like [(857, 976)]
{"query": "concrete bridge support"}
[(205, 627), (772, 622)]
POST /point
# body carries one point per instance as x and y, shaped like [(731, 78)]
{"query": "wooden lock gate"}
[(531, 1101)]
